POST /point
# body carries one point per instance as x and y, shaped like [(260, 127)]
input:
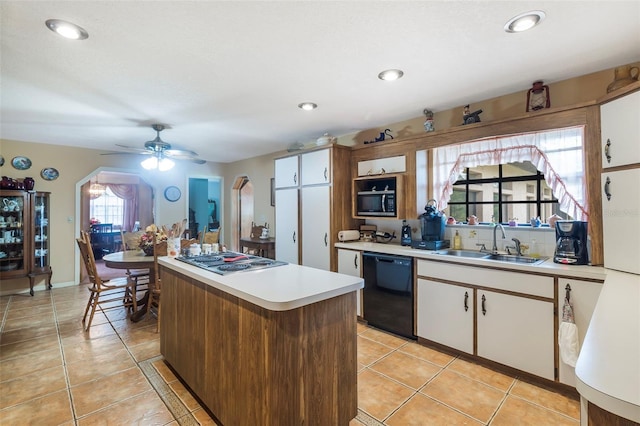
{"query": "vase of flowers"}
[(146, 241)]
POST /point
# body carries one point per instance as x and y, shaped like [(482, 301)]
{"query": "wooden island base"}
[(254, 366)]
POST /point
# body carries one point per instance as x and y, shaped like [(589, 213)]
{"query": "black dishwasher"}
[(388, 292)]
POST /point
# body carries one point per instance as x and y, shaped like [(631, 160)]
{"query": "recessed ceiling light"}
[(524, 21), (307, 106), (390, 75), (67, 29)]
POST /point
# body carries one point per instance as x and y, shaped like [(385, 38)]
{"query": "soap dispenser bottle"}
[(457, 241)]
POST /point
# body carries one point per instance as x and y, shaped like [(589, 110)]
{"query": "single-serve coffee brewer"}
[(433, 223), (571, 243)]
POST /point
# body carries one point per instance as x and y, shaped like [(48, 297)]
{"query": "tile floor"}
[(53, 373)]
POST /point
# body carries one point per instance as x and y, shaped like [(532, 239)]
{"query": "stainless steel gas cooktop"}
[(230, 262)]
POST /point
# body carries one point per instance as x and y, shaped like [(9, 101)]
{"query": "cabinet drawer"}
[(534, 285)]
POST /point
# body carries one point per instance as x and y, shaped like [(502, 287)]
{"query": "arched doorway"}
[(242, 209), (142, 210)]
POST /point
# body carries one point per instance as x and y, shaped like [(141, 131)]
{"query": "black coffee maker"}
[(571, 243), (433, 224)]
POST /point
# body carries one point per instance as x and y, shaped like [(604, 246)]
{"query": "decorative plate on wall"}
[(49, 173), (21, 163)]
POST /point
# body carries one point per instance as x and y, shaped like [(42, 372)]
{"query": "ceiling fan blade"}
[(128, 153), (136, 149), (183, 154)]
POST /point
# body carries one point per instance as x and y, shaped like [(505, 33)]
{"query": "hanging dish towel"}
[(568, 336)]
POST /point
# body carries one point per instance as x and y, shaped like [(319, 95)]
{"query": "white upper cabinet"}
[(620, 130), (316, 167), (286, 172)]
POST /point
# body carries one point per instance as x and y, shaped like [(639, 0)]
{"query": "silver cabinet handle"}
[(325, 174), (295, 178), (355, 261), (326, 242), (607, 189), (484, 308), (294, 236), (607, 146), (466, 300)]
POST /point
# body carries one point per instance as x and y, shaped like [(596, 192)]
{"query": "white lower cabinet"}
[(516, 331), (445, 314), (583, 298), (287, 234), (514, 324), (350, 263)]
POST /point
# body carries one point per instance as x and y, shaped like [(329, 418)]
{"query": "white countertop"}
[(278, 289), (547, 267), (608, 368)]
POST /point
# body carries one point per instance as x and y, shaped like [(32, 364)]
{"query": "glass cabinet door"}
[(41, 230), (12, 233)]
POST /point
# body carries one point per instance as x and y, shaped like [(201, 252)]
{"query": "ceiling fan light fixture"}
[(66, 29), (165, 164), (390, 75), (524, 21), (307, 106), (150, 163)]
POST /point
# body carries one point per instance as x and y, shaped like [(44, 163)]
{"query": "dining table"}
[(266, 247), (133, 259)]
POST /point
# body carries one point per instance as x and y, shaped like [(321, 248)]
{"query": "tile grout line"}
[(174, 404), (64, 361)]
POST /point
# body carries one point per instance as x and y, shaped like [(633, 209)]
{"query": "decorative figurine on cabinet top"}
[(538, 96), (470, 117), (428, 124)]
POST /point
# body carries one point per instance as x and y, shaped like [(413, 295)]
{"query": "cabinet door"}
[(350, 263), (316, 167), (620, 207), (445, 314), (583, 297), (286, 172), (516, 331), (316, 250), (620, 130), (287, 235)]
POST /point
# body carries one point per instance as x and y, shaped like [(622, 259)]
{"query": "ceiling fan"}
[(162, 155)]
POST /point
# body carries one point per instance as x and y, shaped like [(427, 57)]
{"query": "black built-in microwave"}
[(377, 197)]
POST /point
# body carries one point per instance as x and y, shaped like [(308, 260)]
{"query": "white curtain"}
[(558, 154)]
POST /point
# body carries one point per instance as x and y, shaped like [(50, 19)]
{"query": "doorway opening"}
[(205, 204), (135, 205), (242, 209)]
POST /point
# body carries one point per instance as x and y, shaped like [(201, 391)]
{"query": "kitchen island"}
[(274, 346)]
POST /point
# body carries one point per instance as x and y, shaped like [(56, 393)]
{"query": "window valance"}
[(558, 154)]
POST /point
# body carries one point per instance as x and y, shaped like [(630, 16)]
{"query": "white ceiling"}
[(226, 77)]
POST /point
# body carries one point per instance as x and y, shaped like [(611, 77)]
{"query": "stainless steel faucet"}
[(494, 249)]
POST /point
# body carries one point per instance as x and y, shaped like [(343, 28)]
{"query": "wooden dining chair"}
[(211, 237), (130, 241), (106, 295), (155, 287)]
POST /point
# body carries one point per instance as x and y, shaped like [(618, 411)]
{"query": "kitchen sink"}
[(463, 253), (488, 256), (514, 258)]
